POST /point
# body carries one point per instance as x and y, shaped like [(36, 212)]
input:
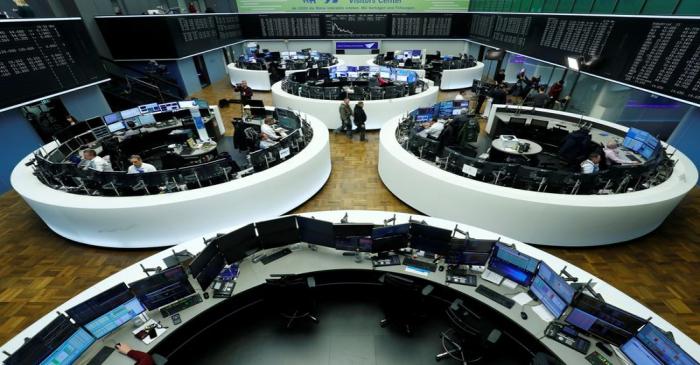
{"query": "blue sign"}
[(356, 45)]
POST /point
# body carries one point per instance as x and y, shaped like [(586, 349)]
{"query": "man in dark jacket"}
[(345, 118), (245, 91), (359, 117)]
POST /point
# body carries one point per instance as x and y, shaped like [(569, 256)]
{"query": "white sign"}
[(469, 170), (284, 153)]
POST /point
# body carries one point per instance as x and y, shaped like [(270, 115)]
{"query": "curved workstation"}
[(520, 166), (264, 69), (500, 300), (318, 92), (450, 72), (130, 210)]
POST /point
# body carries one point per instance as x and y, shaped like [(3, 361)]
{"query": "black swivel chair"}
[(471, 337), (402, 301), (292, 296)]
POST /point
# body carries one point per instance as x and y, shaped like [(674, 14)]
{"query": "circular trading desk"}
[(461, 78), (167, 219), (419, 71), (257, 79), (532, 216), (378, 111), (330, 267)]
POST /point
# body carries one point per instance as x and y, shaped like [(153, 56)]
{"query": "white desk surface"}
[(535, 148)]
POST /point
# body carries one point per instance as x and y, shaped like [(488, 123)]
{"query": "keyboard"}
[(275, 256), (407, 261), (467, 279), (632, 157), (386, 261), (101, 356), (495, 296), (180, 305)]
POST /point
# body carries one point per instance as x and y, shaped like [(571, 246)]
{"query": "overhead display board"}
[(142, 37), (350, 6), (43, 57), (657, 54), (354, 25)]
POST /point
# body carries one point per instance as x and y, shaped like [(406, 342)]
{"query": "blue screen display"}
[(663, 347), (581, 319), (147, 119), (512, 264), (71, 349), (111, 320), (638, 354), (548, 297), (112, 118), (396, 230), (424, 117), (641, 142), (556, 282)]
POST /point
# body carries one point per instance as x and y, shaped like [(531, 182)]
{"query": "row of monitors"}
[(62, 342), (641, 142), (445, 109)]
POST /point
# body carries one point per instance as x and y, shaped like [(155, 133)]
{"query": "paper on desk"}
[(509, 284), (522, 298), (418, 271), (543, 313), (147, 340)]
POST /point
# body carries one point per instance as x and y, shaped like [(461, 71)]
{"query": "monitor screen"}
[(556, 282), (95, 122), (183, 114), (163, 117), (422, 118), (597, 327), (460, 257), (430, 239), (108, 322), (211, 271), (202, 103), (638, 353), (509, 263), (363, 68), (100, 304), (609, 313), (187, 104), (289, 122), (130, 113), (160, 289), (390, 238), (239, 244), (545, 294), (112, 118), (347, 235), (663, 347), (71, 349), (462, 104), (43, 344), (278, 232), (169, 107), (316, 231), (203, 258), (341, 68), (116, 126), (146, 119), (149, 108), (456, 112), (647, 152), (538, 123)]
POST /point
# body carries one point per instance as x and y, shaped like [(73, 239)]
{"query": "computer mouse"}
[(523, 315), (441, 268)]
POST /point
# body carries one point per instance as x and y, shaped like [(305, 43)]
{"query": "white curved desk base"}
[(257, 79), (461, 78)]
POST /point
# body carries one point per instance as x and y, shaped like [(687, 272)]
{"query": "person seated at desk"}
[(138, 166), (380, 80), (141, 357), (460, 95), (590, 165), (432, 129), (612, 154), (95, 162), (268, 134)]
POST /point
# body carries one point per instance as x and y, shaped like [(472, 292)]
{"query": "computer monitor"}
[(390, 238), (112, 118), (160, 289), (163, 117), (538, 123), (73, 144), (110, 321), (203, 258), (316, 231), (100, 304), (255, 103), (187, 104), (289, 122), (70, 350), (512, 264), (347, 235), (95, 122), (115, 127), (278, 232), (201, 103), (211, 271), (552, 290), (458, 255), (204, 112), (130, 113), (43, 343), (149, 108), (239, 244), (603, 320), (183, 114), (146, 119), (430, 239), (639, 354), (169, 107), (662, 348), (422, 118), (517, 121)]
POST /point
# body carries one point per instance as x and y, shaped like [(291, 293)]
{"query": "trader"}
[(591, 164), (269, 134), (360, 119), (432, 129), (95, 162), (612, 154), (138, 166), (500, 76), (460, 95), (245, 91), (345, 118), (539, 100), (498, 94), (141, 358)]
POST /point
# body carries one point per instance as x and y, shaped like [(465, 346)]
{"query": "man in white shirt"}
[(460, 95), (138, 166), (590, 166), (95, 162), (613, 154), (268, 135), (433, 129)]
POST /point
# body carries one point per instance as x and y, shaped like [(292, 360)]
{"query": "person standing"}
[(345, 118), (360, 118), (500, 77), (245, 92)]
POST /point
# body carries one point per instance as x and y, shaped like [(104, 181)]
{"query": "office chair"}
[(541, 358), (402, 301), (292, 297), (531, 178), (252, 138), (471, 337)]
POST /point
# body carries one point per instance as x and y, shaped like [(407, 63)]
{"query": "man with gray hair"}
[(612, 154)]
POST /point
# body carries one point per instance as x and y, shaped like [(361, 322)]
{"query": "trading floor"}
[(40, 270)]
